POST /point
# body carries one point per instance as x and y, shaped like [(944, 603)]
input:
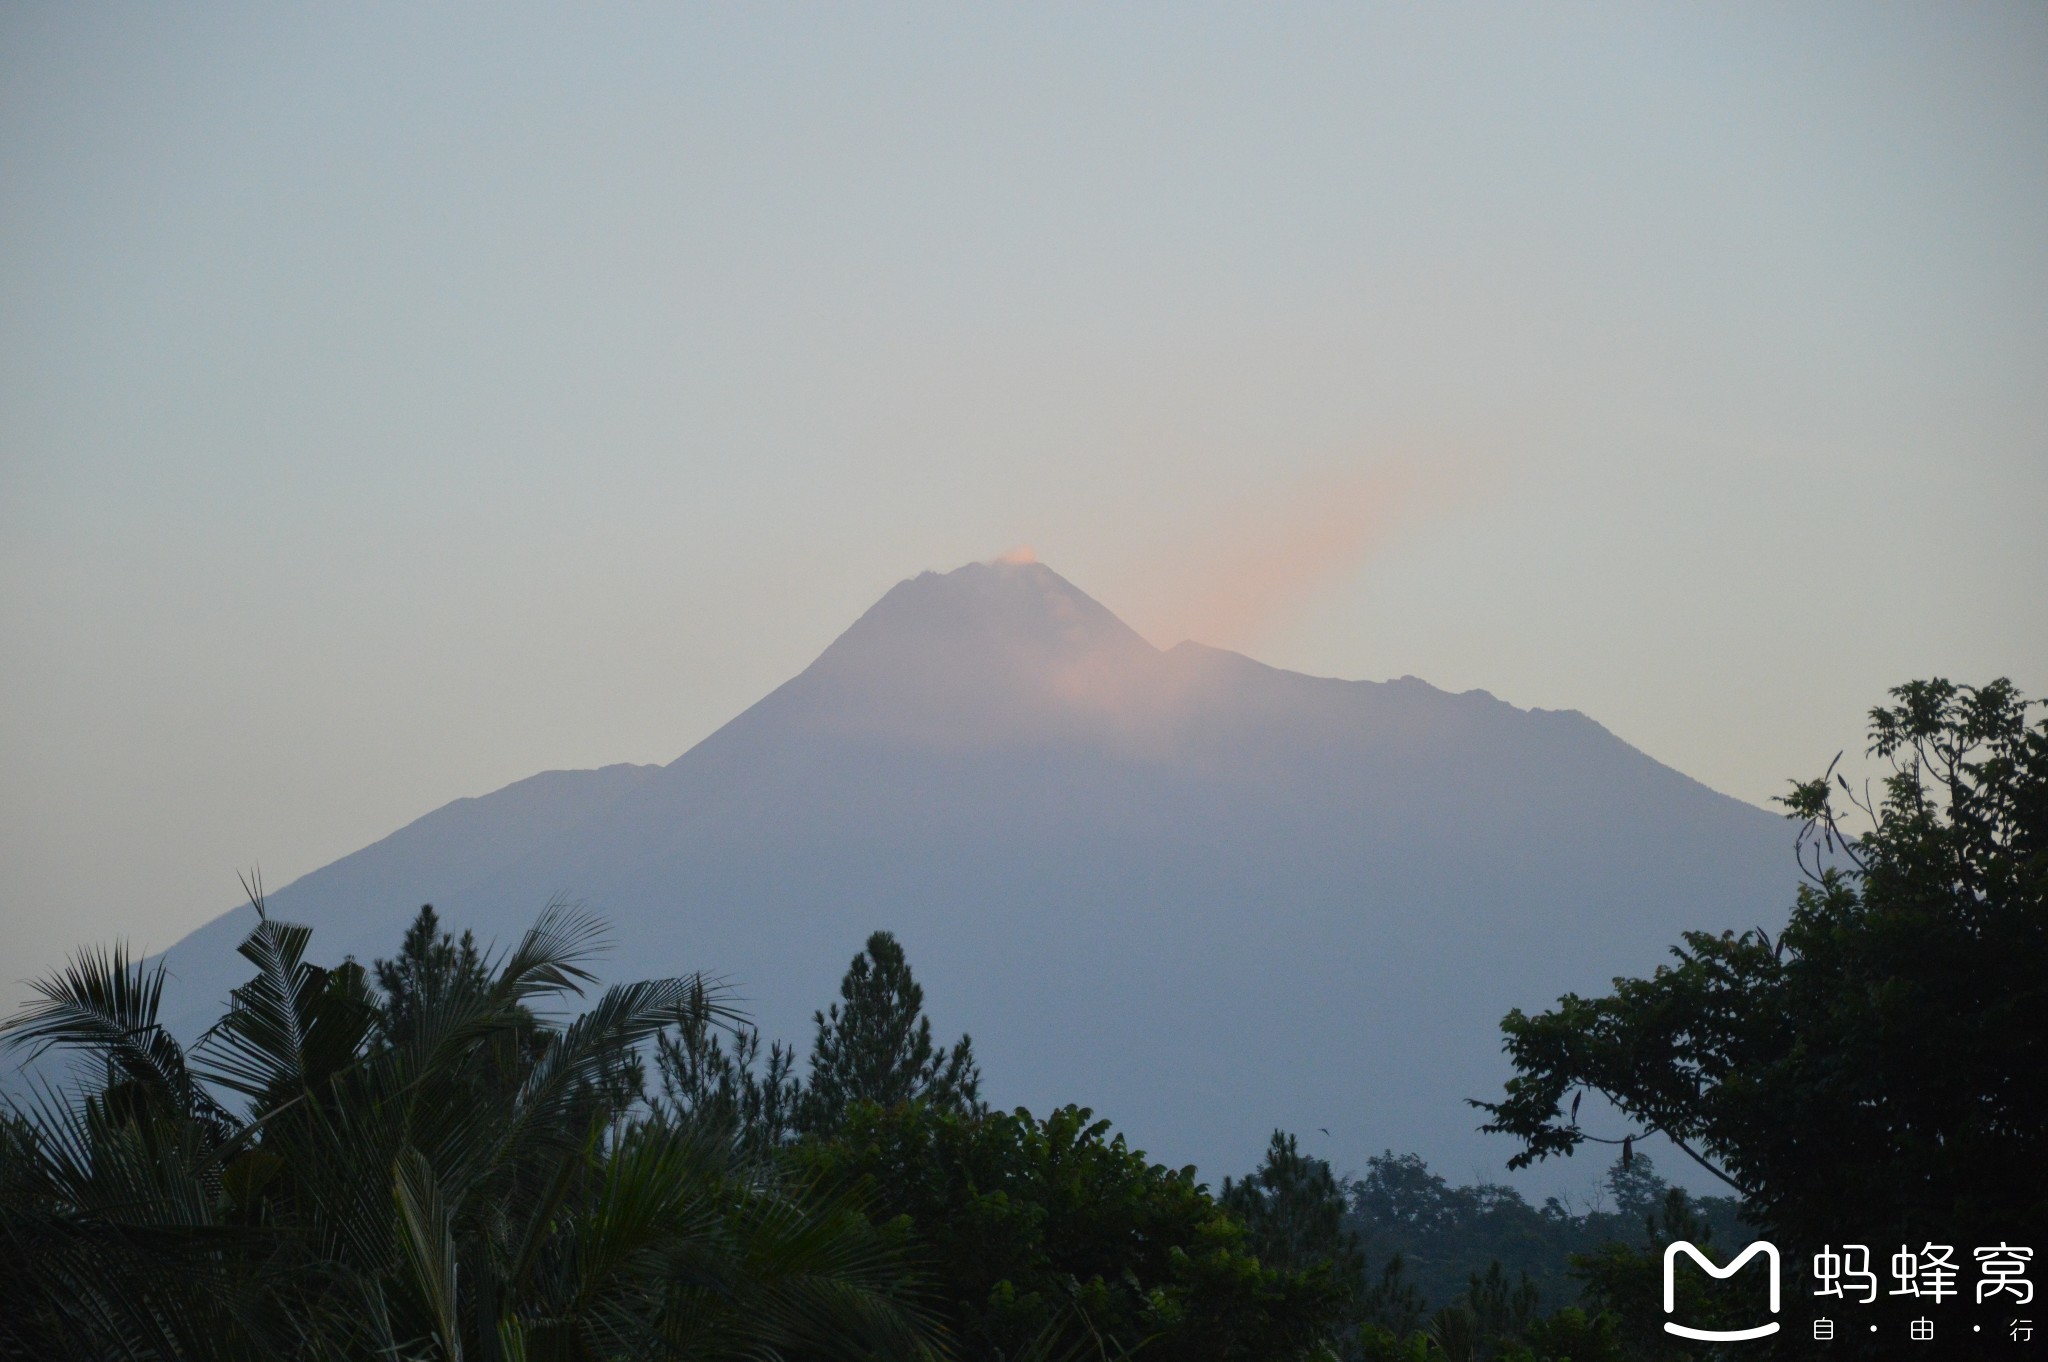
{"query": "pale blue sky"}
[(397, 401)]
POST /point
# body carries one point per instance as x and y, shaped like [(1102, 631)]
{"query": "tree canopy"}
[(1880, 1062)]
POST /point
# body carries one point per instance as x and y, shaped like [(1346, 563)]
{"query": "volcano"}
[(1201, 895)]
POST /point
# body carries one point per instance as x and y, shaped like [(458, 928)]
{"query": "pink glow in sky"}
[(1236, 586)]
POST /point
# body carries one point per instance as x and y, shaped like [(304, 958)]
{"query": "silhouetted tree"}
[(727, 1091), (875, 1045), (1879, 1063), (431, 966)]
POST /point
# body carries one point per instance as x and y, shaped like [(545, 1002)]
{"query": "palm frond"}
[(622, 1019), (427, 1244), (550, 957), (105, 1004), (259, 1046)]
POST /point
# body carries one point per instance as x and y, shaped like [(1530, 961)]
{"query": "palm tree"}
[(316, 1179)]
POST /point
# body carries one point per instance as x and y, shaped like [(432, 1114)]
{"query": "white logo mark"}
[(1671, 1252)]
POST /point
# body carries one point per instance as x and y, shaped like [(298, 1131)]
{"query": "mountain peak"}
[(985, 652), (1016, 605)]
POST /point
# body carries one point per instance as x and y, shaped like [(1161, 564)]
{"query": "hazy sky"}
[(395, 402)]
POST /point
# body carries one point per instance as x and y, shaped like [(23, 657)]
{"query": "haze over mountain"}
[(1202, 895)]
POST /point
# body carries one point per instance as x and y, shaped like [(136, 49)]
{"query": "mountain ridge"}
[(1293, 900)]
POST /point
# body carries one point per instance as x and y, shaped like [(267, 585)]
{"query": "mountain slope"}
[(1202, 895)]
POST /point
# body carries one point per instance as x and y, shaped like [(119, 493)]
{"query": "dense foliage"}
[(429, 1172), (1052, 1229), (410, 1162)]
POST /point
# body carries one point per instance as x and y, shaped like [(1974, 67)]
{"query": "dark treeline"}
[(1442, 1235), (1375, 1262), (410, 1160), (426, 1158), (415, 1160)]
